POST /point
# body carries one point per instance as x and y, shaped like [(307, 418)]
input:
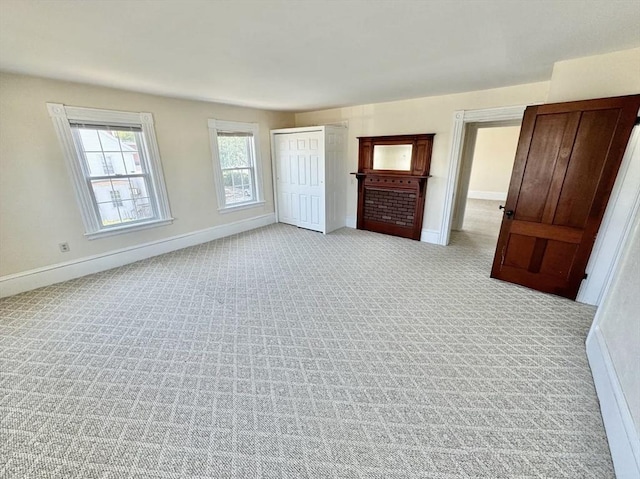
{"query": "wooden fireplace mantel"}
[(392, 201)]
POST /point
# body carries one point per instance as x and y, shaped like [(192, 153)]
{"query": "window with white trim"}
[(114, 161), (236, 164)]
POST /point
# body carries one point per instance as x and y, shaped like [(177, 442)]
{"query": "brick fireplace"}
[(390, 206), (392, 201)]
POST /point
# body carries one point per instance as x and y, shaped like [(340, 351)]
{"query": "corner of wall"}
[(611, 74)]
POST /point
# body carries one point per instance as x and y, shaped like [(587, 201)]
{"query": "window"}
[(116, 199), (236, 164), (115, 164)]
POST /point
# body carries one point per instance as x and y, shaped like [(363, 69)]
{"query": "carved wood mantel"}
[(391, 198)]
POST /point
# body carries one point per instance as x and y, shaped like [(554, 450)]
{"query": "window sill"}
[(118, 230), (243, 206)]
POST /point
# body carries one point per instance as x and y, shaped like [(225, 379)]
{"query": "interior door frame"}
[(623, 205), (466, 166), (461, 119)]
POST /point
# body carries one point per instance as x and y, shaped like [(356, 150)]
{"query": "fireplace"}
[(390, 206), (392, 176)]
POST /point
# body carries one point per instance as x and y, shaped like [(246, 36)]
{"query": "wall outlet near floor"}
[(64, 247)]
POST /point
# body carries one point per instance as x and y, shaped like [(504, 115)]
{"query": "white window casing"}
[(66, 120), (256, 194)]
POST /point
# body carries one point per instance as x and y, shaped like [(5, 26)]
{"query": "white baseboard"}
[(37, 278), (487, 195), (430, 236), (351, 222), (622, 435)]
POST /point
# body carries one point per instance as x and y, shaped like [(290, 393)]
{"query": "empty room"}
[(319, 239)]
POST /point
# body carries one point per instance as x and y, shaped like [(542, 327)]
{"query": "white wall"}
[(619, 323), (613, 349), (38, 209), (420, 115), (493, 158), (612, 74)]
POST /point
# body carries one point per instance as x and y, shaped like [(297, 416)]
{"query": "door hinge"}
[(637, 121), (585, 276)]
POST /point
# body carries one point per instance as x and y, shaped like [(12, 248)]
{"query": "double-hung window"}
[(236, 164), (114, 161)]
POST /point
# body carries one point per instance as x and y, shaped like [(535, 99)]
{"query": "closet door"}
[(301, 181), (287, 188)]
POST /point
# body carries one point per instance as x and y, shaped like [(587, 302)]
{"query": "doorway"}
[(626, 194), (485, 173)]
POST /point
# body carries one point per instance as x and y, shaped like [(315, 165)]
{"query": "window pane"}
[(138, 188), (238, 185), (135, 210), (111, 152), (142, 208), (99, 165), (127, 139), (235, 151), (128, 145), (119, 202), (89, 139)]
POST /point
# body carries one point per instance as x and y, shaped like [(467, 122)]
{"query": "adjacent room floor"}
[(483, 217), (283, 353)]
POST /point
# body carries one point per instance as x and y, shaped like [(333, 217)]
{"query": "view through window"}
[(236, 151), (117, 173), (236, 163)]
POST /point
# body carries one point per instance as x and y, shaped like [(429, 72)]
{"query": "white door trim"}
[(622, 208), (460, 120)]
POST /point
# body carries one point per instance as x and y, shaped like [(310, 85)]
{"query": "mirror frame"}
[(420, 153), (395, 160)]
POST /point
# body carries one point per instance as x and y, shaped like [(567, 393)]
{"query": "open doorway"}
[(485, 172)]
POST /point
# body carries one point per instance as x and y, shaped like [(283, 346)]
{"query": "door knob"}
[(508, 213)]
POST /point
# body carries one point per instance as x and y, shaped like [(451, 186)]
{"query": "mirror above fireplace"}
[(392, 157)]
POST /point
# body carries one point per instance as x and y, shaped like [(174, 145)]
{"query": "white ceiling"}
[(308, 54)]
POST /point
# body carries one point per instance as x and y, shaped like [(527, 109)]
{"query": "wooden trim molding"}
[(391, 201)]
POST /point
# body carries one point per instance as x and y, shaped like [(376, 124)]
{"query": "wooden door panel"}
[(567, 159), (585, 167), (518, 251), (557, 258), (548, 283), (545, 145)]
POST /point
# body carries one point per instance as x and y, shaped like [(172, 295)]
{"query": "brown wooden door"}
[(567, 160)]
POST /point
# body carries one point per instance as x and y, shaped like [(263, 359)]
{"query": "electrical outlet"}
[(64, 247)]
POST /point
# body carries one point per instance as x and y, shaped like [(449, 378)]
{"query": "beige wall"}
[(613, 74), (420, 115), (618, 322), (493, 158), (38, 209)]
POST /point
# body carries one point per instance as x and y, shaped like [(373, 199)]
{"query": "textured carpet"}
[(283, 353), (482, 217)]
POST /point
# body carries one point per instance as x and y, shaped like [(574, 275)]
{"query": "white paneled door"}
[(300, 179)]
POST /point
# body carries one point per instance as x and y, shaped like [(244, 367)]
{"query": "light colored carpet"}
[(282, 353), (482, 217)]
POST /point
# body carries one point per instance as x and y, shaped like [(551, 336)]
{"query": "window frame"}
[(62, 117), (216, 126)]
